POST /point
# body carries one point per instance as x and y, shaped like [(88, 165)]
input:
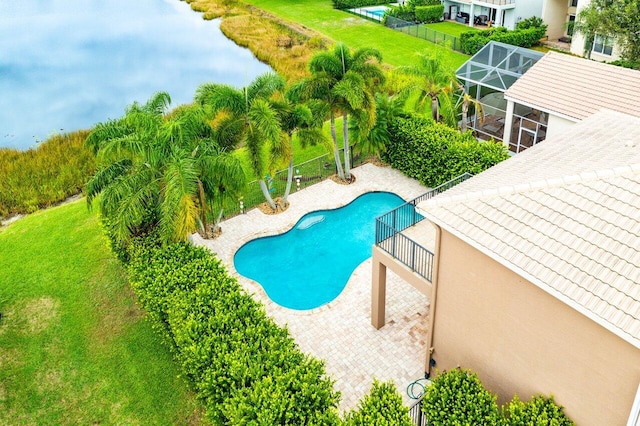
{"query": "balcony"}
[(394, 232)]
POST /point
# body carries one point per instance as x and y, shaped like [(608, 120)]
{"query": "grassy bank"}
[(74, 347), (397, 48), (314, 21), (43, 176)]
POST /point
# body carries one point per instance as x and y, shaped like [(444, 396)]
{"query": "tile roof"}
[(576, 88), (565, 215)]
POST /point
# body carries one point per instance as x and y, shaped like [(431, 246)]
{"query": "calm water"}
[(68, 64), (310, 265)]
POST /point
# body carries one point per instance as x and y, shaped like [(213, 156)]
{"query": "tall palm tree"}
[(305, 122), (247, 117), (433, 81), (374, 140), (345, 81), (158, 170)]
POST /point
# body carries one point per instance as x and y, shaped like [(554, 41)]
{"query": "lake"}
[(68, 64)]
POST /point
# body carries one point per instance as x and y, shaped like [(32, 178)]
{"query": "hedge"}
[(457, 397), (434, 153), (383, 406), (539, 410), (429, 14), (352, 4), (472, 41), (244, 367)]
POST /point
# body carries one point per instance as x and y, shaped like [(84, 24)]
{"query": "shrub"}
[(539, 411), (533, 22), (457, 397), (472, 41), (352, 4), (405, 13), (415, 3), (382, 406), (434, 153), (626, 64), (244, 367), (428, 14)]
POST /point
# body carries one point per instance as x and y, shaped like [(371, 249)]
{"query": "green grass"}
[(74, 347), (397, 49), (451, 28)]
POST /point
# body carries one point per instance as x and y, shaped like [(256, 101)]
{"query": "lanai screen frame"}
[(496, 66)]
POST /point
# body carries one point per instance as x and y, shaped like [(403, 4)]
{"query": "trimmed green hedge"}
[(383, 406), (472, 41), (434, 153), (457, 397), (539, 410), (352, 4), (245, 368), (429, 14)]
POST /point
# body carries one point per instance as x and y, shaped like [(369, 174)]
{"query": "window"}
[(570, 25), (573, 3), (603, 45)]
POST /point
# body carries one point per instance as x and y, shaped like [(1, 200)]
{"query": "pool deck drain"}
[(340, 333)]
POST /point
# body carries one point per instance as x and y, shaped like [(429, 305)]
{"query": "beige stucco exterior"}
[(522, 340)]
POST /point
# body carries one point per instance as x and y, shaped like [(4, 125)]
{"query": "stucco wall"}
[(522, 340), (555, 15), (557, 125)]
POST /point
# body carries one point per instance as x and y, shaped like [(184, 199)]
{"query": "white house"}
[(505, 13)]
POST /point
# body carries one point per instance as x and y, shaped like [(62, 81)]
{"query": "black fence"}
[(423, 32), (304, 174)]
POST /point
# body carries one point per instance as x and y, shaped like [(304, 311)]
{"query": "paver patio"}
[(340, 332)]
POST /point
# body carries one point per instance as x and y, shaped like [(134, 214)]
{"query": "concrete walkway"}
[(340, 333)]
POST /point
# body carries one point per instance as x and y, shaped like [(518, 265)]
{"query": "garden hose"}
[(420, 385)]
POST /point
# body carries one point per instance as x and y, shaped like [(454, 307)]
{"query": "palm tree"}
[(374, 140), (305, 122), (345, 81), (247, 117), (434, 81), (466, 100), (158, 171)]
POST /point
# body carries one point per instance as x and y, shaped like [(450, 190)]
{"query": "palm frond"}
[(104, 177), (158, 104), (218, 97), (265, 85)]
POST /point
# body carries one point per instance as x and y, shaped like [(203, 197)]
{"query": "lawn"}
[(74, 347), (397, 49), (451, 28)]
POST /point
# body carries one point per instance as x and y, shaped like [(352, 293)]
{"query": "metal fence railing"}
[(416, 414), (390, 225), (424, 32), (376, 15), (305, 174)]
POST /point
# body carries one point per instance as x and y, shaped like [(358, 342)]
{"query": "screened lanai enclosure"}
[(486, 77)]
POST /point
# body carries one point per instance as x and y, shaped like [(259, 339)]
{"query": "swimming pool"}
[(310, 265)]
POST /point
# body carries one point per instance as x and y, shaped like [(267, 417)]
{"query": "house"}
[(527, 96), (603, 49), (565, 90), (506, 13), (534, 276)]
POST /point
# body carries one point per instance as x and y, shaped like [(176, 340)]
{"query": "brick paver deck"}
[(340, 332)]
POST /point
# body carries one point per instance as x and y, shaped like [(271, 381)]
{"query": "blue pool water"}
[(310, 265), (377, 12)]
